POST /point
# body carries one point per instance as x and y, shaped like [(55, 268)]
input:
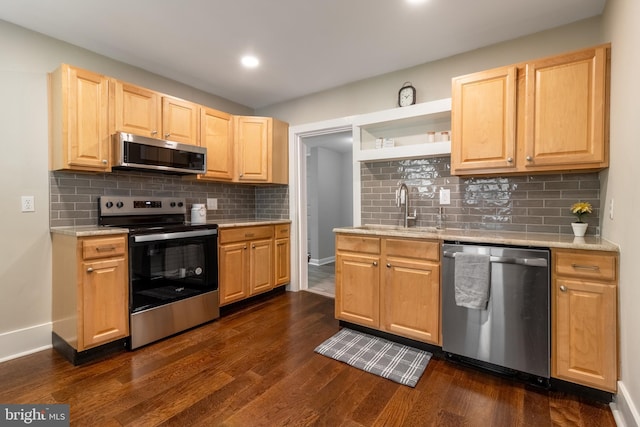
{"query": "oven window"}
[(170, 270)]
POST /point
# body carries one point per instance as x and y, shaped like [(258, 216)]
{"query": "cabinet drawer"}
[(245, 233), (586, 264), (370, 245), (412, 249), (282, 231), (103, 247)]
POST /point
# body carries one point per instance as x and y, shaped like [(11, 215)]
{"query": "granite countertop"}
[(487, 236), (98, 230)]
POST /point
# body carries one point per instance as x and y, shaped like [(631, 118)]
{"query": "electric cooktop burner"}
[(146, 215)]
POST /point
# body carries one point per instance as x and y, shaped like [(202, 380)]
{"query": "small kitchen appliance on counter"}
[(173, 266)]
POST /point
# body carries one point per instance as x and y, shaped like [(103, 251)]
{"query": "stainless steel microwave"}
[(139, 152)]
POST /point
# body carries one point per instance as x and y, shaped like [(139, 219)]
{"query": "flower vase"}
[(579, 228)]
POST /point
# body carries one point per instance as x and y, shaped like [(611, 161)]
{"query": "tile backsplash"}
[(529, 203), (74, 196)]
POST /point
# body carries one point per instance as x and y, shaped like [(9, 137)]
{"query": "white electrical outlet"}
[(445, 196), (28, 204), (212, 204)]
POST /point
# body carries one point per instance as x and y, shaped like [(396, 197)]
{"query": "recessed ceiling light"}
[(250, 61), (416, 1)]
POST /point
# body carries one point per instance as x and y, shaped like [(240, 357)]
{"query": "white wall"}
[(432, 80), (25, 254), (621, 185)]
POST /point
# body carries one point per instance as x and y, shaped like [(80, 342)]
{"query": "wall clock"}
[(406, 95)]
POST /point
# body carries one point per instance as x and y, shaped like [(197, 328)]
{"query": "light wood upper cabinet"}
[(544, 115), (137, 110), (261, 150), (148, 113), (584, 318), (483, 120), (80, 124), (216, 135), (179, 120), (566, 105)]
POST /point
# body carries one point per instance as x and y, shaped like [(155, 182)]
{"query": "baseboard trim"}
[(22, 342), (323, 261), (623, 408)]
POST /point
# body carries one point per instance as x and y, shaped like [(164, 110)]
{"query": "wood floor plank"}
[(256, 366)]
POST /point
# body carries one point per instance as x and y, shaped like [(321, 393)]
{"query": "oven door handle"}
[(172, 236)]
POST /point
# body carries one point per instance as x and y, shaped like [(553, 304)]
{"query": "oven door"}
[(169, 267)]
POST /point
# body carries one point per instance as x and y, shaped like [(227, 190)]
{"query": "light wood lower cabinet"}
[(584, 318), (252, 260), (90, 289), (389, 284), (282, 254)]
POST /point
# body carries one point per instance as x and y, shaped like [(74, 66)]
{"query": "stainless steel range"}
[(173, 265)]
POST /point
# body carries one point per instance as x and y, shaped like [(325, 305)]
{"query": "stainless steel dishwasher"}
[(513, 331)]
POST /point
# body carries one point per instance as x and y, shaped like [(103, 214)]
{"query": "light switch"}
[(445, 196)]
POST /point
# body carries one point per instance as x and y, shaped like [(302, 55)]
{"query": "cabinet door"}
[(179, 120), (483, 120), (232, 272), (584, 333), (216, 135), (565, 110), (138, 110), (358, 289), (253, 143), (261, 269), (282, 261), (411, 295), (84, 136), (105, 302)]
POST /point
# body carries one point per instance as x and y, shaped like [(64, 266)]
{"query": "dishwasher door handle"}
[(533, 262)]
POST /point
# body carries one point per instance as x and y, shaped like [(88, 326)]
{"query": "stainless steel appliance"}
[(173, 265), (513, 331), (139, 152)]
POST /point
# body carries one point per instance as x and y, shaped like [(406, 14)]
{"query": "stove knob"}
[(119, 205), (173, 204), (109, 205), (180, 204)]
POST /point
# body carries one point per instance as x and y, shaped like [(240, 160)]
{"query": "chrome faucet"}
[(402, 200)]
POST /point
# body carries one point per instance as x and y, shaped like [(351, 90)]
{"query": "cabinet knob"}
[(509, 159), (253, 246), (104, 161), (563, 288), (90, 270), (245, 246), (388, 265), (154, 132), (167, 135), (529, 158), (375, 263)]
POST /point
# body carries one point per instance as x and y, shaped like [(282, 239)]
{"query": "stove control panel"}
[(134, 205)]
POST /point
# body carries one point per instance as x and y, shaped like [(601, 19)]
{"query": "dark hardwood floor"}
[(256, 367)]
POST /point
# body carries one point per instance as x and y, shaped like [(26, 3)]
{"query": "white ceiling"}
[(304, 46)]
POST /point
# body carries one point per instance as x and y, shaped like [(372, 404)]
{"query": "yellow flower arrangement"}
[(581, 208)]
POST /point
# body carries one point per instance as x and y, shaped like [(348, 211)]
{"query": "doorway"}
[(329, 203), (300, 141)]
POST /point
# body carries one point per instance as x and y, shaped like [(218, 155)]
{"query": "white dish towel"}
[(472, 278)]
